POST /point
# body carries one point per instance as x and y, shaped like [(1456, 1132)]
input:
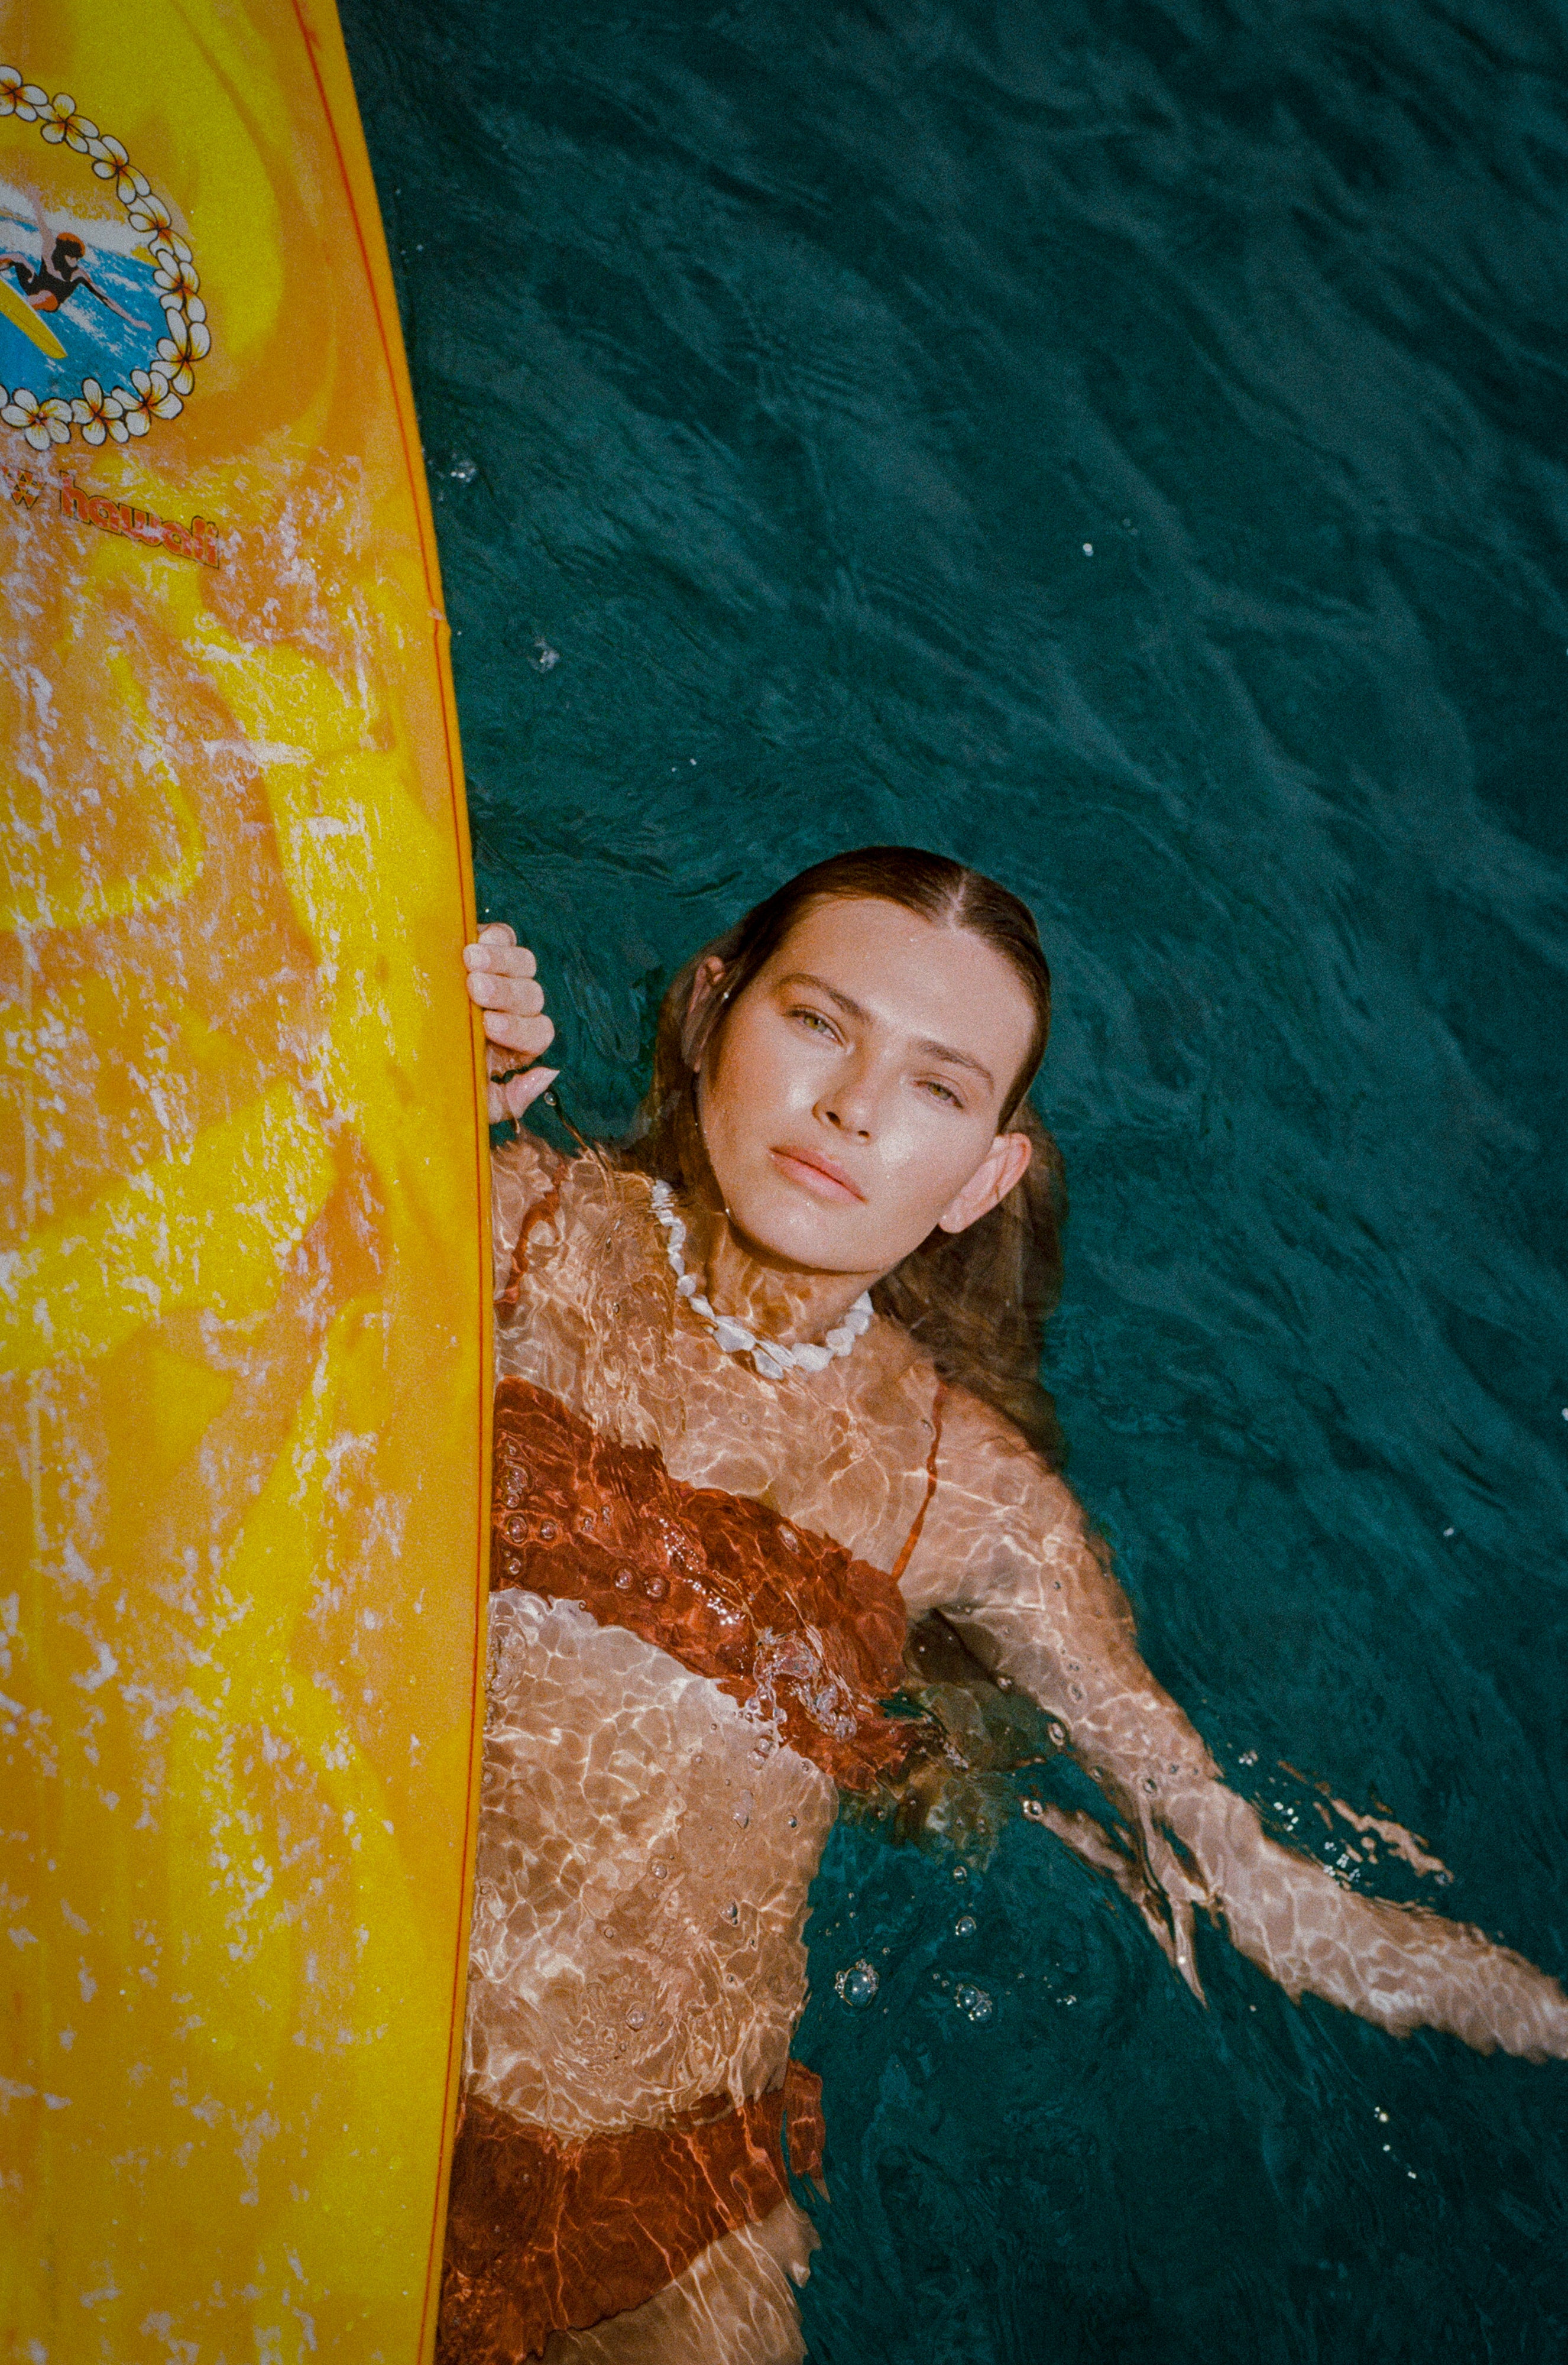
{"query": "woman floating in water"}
[(768, 1393)]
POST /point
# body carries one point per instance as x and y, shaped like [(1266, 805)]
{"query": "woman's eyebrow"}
[(804, 977), (945, 1055), (943, 1052)]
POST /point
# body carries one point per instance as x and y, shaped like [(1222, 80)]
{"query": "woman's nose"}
[(847, 1110)]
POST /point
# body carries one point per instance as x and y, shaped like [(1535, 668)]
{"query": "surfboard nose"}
[(20, 314)]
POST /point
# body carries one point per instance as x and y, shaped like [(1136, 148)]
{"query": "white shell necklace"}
[(769, 1358)]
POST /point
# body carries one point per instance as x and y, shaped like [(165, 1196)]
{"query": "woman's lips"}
[(820, 1176)]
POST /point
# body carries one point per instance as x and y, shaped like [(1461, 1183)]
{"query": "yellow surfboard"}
[(244, 1299), (32, 325)]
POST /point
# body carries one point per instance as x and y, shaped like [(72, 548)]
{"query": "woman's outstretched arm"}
[(108, 301), (1007, 1556)]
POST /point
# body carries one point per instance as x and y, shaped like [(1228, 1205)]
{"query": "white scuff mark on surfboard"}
[(106, 1667), (161, 1706), (258, 751), (34, 1729), (74, 1570), (254, 2132)]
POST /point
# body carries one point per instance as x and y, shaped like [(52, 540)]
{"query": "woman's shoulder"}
[(523, 1174), (993, 1471), (898, 1399), (997, 1513), (541, 1199)]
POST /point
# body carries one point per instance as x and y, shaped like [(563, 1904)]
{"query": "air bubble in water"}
[(857, 1985), (973, 2002), (964, 1927), (465, 471)]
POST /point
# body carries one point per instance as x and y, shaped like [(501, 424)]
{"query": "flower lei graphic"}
[(159, 390)]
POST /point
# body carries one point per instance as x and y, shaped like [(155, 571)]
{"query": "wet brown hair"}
[(976, 1301)]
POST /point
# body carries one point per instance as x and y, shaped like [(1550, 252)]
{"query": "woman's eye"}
[(941, 1093), (814, 1020)]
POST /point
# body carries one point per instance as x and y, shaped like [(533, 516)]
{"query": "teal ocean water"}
[(1123, 447)]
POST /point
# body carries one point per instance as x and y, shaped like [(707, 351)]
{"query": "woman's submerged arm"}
[(1036, 1602)]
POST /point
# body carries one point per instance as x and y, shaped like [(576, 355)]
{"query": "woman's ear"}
[(704, 986), (1005, 1163)]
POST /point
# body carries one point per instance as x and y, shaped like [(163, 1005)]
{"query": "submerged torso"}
[(696, 1610)]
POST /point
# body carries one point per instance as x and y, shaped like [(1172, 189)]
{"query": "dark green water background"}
[(775, 364)]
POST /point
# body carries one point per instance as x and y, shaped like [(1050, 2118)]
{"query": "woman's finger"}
[(502, 957), (520, 1092), (510, 1094), (523, 995), (529, 1036)]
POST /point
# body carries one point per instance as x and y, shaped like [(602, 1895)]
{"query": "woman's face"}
[(852, 1104)]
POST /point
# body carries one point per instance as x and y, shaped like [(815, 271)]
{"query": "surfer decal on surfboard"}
[(51, 284)]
